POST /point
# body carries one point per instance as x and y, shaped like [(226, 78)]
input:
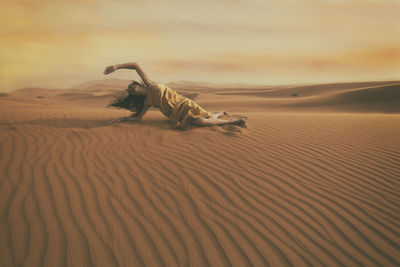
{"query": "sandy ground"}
[(313, 179)]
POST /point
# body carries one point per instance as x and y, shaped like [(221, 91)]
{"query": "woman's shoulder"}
[(155, 86)]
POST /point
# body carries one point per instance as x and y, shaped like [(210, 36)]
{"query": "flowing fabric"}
[(179, 109)]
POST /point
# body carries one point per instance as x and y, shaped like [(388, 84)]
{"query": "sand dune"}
[(293, 188), (380, 98)]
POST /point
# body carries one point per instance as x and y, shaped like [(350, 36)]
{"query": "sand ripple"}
[(291, 189)]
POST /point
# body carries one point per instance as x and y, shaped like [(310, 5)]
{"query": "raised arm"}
[(132, 66)]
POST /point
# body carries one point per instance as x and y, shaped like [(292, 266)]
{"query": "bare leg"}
[(214, 120), (218, 114)]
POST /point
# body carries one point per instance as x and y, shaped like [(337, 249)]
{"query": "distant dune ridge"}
[(365, 97), (314, 180)]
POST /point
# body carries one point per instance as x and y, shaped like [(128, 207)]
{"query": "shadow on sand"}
[(72, 123), (88, 124)]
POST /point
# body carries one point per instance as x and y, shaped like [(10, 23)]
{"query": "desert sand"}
[(313, 180)]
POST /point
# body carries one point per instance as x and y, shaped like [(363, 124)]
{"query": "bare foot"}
[(240, 122)]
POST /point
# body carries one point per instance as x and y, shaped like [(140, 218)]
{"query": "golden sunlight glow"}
[(61, 43)]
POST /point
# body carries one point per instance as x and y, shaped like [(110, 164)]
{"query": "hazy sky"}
[(59, 43)]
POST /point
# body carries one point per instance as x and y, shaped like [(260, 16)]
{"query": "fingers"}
[(118, 120), (109, 69)]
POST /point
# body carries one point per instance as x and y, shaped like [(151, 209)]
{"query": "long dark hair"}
[(127, 100)]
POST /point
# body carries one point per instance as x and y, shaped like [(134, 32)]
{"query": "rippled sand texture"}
[(291, 189)]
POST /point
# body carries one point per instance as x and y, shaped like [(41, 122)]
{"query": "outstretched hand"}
[(110, 69), (119, 120), (130, 118)]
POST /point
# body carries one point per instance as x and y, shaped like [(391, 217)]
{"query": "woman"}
[(180, 110)]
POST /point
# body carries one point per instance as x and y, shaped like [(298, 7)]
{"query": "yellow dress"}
[(179, 109)]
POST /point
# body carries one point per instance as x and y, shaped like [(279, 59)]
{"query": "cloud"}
[(364, 60), (43, 41)]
